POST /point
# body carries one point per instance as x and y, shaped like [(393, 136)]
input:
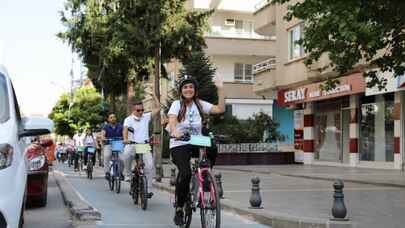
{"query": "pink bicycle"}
[(203, 191)]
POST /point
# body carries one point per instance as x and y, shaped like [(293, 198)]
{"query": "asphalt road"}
[(118, 210)]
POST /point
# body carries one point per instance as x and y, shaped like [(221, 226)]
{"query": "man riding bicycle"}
[(186, 115), (136, 130), (112, 130)]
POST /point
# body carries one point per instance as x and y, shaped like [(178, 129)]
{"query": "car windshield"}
[(4, 105)]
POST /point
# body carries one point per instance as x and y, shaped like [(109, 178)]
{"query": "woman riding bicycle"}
[(89, 140), (186, 116)]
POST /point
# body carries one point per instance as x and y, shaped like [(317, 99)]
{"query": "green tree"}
[(61, 116), (118, 39), (260, 128), (353, 30), (200, 68), (87, 110)]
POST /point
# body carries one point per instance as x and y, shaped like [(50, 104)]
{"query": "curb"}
[(78, 207), (274, 220), (376, 183)]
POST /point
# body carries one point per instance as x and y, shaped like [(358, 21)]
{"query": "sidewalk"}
[(294, 202), (393, 178)]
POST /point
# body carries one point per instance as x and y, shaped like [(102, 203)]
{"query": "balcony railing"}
[(267, 64), (261, 4), (235, 34)]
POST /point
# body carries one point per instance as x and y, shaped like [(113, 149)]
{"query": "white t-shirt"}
[(192, 122), (89, 140), (78, 140), (140, 126)]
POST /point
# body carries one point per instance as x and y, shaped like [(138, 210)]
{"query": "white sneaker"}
[(127, 179)]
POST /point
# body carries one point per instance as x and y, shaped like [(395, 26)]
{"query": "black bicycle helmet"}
[(186, 80)]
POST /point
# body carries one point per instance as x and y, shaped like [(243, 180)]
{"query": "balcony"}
[(265, 18), (239, 46), (265, 77), (267, 64)]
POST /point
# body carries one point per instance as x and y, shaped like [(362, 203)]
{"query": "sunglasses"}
[(139, 110)]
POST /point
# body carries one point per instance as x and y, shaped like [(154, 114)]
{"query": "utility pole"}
[(157, 126), (71, 86)]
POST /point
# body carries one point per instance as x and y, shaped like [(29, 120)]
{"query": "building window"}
[(236, 28), (295, 50), (243, 72), (228, 110)]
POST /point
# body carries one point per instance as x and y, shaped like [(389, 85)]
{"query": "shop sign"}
[(295, 95), (393, 84), (351, 84)]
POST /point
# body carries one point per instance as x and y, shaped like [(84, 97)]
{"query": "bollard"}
[(255, 197), (173, 177), (339, 211), (159, 173), (218, 178)]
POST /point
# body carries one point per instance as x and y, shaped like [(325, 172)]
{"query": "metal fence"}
[(247, 148)]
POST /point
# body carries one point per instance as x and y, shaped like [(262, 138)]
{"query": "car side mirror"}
[(34, 126)]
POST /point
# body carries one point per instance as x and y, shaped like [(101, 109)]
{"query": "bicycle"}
[(114, 179), (139, 181), (78, 166), (203, 188), (70, 154), (91, 150)]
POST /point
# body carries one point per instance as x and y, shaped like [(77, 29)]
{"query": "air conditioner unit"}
[(230, 22)]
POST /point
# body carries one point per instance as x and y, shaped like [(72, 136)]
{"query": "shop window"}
[(377, 128)]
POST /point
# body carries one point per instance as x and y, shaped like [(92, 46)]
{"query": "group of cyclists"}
[(186, 115)]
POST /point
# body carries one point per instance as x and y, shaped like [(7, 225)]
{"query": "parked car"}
[(38, 169), (13, 165)]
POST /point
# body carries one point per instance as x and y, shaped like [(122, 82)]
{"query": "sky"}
[(38, 63)]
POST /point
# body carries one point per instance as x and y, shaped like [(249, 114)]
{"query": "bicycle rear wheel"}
[(210, 205), (143, 192)]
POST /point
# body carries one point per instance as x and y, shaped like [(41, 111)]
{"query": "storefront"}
[(382, 126), (328, 117), (350, 124)]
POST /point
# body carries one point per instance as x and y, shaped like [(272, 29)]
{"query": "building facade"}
[(233, 47), (350, 125)]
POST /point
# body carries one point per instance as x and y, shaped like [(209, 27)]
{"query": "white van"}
[(13, 172)]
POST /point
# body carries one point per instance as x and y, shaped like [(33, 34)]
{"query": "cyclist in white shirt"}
[(89, 140), (186, 115), (136, 129)]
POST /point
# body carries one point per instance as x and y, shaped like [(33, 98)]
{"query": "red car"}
[(38, 169)]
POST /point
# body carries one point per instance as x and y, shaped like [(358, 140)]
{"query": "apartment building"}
[(350, 125), (233, 48)]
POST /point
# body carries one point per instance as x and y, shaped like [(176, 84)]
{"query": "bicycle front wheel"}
[(143, 186), (210, 204), (90, 170), (117, 184)]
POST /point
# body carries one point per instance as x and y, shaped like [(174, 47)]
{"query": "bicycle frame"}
[(114, 162), (199, 172)]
